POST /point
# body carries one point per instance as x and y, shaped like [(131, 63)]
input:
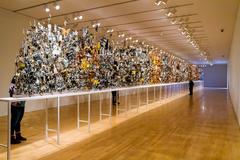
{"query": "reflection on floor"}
[(201, 127)]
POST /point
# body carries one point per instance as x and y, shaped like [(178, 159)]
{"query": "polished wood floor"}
[(201, 127)]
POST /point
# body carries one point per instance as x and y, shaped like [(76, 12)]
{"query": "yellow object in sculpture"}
[(21, 65), (85, 64), (95, 81)]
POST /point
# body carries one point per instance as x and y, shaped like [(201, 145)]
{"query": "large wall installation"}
[(54, 59)]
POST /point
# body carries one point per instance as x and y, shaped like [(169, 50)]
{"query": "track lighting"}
[(96, 25), (174, 21), (66, 21), (171, 12), (78, 17), (57, 6), (121, 35), (128, 38), (160, 2), (46, 8), (110, 30)]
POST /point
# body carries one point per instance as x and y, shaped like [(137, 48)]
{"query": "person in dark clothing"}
[(114, 98), (17, 112), (191, 84)]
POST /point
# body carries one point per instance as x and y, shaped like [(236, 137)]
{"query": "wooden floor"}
[(202, 127)]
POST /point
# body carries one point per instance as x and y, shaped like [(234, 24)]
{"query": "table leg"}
[(110, 104), (78, 114), (58, 120), (100, 106), (46, 119), (9, 132), (89, 112), (147, 98)]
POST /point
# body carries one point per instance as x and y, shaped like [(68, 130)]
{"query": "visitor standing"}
[(191, 84), (17, 112)]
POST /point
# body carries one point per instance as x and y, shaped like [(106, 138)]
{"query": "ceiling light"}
[(47, 9), (57, 6), (174, 21), (96, 25), (110, 31), (160, 2), (76, 17), (80, 17), (128, 38), (121, 35), (171, 12)]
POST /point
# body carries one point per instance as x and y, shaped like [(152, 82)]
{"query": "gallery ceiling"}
[(210, 22)]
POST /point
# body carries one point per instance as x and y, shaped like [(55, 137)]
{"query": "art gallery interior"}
[(119, 79)]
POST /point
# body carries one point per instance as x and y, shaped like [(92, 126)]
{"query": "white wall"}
[(234, 68), (215, 76)]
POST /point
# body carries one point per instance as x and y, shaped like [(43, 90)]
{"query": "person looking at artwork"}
[(114, 98), (17, 112), (191, 84)]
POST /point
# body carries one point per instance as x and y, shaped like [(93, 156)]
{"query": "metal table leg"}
[(78, 114), (139, 101), (100, 106), (160, 93), (79, 118), (126, 102), (47, 129), (46, 119), (9, 132), (154, 94), (58, 120), (89, 112), (110, 104), (110, 107), (147, 98), (8, 145)]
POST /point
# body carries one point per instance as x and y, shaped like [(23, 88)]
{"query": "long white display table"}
[(170, 89)]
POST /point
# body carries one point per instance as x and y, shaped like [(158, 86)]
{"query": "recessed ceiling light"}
[(160, 2), (171, 12), (47, 9), (57, 6), (96, 25), (174, 21), (80, 17), (110, 30)]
